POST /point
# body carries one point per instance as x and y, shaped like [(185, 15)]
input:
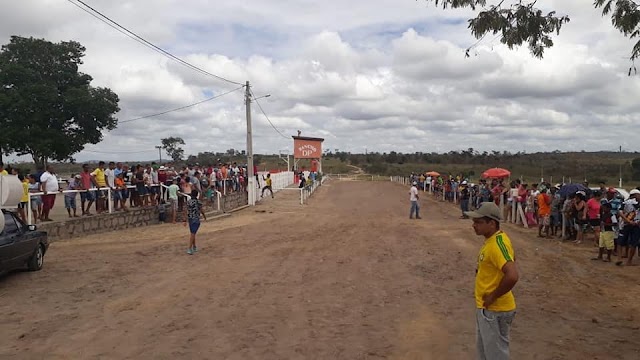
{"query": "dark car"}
[(21, 245)]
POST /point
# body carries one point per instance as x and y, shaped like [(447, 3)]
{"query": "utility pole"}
[(159, 153), (620, 181), (251, 186)]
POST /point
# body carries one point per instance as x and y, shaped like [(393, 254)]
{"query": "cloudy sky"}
[(376, 75)]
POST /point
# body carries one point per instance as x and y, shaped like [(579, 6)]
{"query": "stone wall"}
[(135, 217), (234, 200), (100, 223)]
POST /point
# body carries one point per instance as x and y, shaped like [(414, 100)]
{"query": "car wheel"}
[(37, 260)]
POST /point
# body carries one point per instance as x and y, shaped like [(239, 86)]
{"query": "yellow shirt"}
[(100, 178), (494, 254), (25, 192), (268, 181), (4, 172)]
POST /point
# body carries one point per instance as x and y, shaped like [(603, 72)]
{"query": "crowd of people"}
[(569, 212), (131, 186)]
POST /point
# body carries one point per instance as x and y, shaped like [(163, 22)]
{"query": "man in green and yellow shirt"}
[(496, 275)]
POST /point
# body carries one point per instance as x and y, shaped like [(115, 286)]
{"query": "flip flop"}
[(606, 260), (618, 263), (595, 258)]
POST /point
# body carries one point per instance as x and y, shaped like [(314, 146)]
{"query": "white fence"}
[(307, 191), (279, 180)]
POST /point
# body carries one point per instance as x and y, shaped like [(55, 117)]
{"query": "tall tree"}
[(48, 109), (172, 146), (523, 22)]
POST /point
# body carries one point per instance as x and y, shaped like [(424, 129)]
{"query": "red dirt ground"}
[(347, 276)]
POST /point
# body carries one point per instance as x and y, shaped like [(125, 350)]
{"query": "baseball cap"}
[(634, 192), (464, 182), (78, 177), (415, 183), (612, 190), (487, 209)]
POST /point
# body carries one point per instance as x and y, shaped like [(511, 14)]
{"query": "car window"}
[(10, 226)]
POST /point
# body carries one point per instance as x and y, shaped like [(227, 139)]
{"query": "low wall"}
[(100, 223), (135, 217)]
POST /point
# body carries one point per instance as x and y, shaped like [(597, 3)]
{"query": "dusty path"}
[(348, 276)]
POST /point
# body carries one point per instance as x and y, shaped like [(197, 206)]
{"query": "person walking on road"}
[(496, 275), (414, 197), (192, 214)]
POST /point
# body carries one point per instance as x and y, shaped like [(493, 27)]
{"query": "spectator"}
[(49, 183), (70, 197)]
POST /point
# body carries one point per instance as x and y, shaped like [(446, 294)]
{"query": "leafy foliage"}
[(172, 146), (523, 23), (48, 109)]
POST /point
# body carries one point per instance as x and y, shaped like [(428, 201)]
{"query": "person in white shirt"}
[(49, 183), (110, 176), (414, 197)]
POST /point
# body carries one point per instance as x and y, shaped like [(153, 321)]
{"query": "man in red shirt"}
[(87, 182)]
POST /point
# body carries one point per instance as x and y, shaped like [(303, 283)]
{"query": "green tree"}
[(172, 146), (523, 22), (48, 109)]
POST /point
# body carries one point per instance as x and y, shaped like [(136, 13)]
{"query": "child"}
[(267, 186), (70, 197), (607, 234), (25, 198), (36, 201), (192, 215), (173, 199), (120, 194)]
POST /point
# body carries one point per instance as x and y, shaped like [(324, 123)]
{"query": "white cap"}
[(634, 191), (415, 183)]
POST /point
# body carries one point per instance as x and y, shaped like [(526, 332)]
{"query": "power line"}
[(182, 107), (265, 115), (105, 19)]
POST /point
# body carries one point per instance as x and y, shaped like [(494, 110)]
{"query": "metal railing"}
[(307, 191)]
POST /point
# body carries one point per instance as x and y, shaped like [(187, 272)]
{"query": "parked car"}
[(21, 245)]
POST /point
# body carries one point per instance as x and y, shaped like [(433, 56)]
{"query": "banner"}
[(307, 148)]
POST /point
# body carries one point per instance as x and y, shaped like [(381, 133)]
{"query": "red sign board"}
[(307, 148)]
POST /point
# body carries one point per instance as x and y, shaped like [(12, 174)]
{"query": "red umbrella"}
[(433, 173), (498, 173)]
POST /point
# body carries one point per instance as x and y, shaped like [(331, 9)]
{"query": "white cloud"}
[(379, 75)]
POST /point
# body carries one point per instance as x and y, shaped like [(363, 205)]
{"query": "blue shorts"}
[(116, 194), (634, 236), (142, 190), (194, 225), (87, 196), (69, 202)]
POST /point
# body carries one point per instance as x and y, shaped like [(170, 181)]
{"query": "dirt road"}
[(348, 276)]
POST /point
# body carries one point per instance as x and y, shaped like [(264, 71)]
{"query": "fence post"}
[(219, 198), (30, 211), (109, 202)]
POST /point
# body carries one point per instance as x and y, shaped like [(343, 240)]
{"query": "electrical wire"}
[(266, 117), (180, 108), (105, 19)]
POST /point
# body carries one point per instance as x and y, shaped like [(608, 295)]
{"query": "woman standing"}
[(192, 216), (593, 215), (580, 211)]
